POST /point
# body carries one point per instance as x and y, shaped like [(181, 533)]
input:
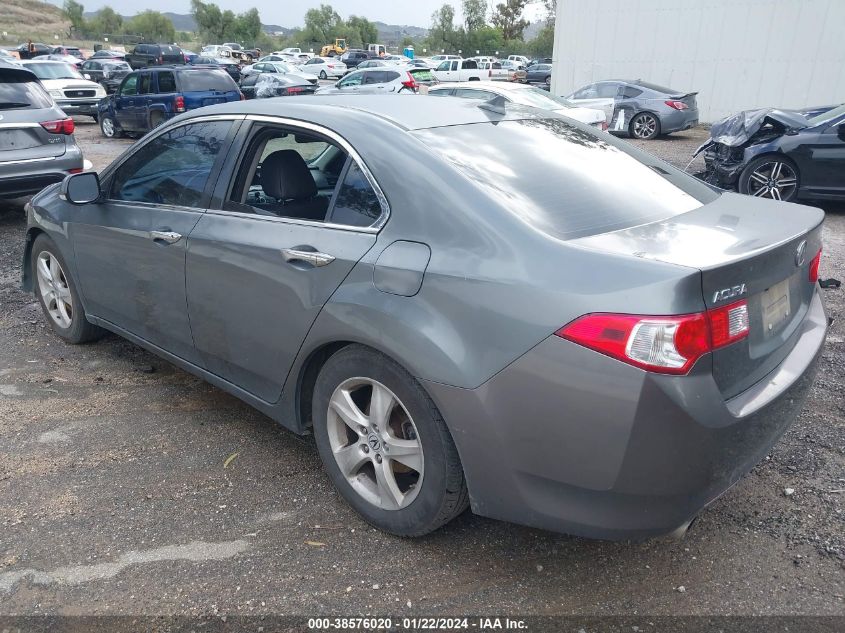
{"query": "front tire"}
[(385, 445), (644, 126), (774, 177), (58, 295), (109, 128)]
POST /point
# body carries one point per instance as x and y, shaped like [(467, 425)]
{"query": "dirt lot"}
[(129, 486)]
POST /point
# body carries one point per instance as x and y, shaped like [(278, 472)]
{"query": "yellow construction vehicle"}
[(330, 50)]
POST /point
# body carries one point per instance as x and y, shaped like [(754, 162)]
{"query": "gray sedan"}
[(638, 108), (601, 356), (37, 147)]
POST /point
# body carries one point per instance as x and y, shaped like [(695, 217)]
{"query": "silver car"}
[(37, 147), (512, 331), (379, 80), (638, 108)]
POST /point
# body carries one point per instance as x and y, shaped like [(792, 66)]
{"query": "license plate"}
[(776, 306)]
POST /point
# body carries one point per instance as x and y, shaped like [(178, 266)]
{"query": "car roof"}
[(489, 86), (410, 112)]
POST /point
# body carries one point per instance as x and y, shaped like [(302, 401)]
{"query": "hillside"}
[(24, 19)]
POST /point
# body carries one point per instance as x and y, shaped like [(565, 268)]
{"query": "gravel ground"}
[(130, 487)]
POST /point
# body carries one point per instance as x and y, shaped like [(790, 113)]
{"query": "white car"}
[(6, 56), (522, 95), (324, 67), (436, 59), (76, 62), (70, 90), (216, 50), (281, 68), (522, 60), (398, 60)]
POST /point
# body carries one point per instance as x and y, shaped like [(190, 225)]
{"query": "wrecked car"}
[(779, 154)]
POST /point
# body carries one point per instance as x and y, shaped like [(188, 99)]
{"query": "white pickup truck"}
[(459, 70)]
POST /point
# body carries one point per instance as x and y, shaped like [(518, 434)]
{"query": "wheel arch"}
[(307, 378), (32, 234)]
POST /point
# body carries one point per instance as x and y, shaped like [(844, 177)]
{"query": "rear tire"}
[(408, 446), (323, 75), (644, 126), (58, 295), (156, 119)]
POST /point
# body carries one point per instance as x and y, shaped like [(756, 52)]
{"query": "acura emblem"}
[(800, 253)]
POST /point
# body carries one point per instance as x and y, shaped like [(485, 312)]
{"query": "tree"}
[(360, 31), (442, 34), (74, 12), (475, 14), (106, 22), (322, 25), (247, 26), (508, 17), (152, 26)]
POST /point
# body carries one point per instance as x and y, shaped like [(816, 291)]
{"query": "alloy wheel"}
[(645, 126), (775, 179), (54, 289), (375, 443), (108, 126), (323, 75)]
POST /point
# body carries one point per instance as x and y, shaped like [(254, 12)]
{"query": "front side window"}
[(130, 86), (444, 66), (173, 168)]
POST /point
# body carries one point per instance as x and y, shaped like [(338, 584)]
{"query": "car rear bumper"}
[(678, 120), (569, 440), (26, 177)]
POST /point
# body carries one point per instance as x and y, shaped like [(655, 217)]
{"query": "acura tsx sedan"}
[(511, 331)]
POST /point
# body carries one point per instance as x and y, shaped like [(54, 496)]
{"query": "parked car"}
[(400, 60), (640, 109), (146, 55), (389, 79), (7, 57), (71, 91), (275, 57), (216, 50), (147, 98), (105, 71), (37, 147), (619, 377), (65, 59), (266, 85), (189, 55), (494, 71), (108, 54), (72, 51), (371, 63), (279, 68), (520, 60), (539, 74), (780, 154), (437, 59), (459, 70), (37, 48), (522, 95), (324, 67), (237, 49), (230, 65)]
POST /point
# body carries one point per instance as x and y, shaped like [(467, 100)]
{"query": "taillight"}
[(677, 105), (180, 103), (75, 170), (242, 96), (294, 91), (814, 267), (410, 82), (330, 65), (661, 344), (61, 126), (161, 60)]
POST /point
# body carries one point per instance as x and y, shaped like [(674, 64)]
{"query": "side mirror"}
[(81, 188)]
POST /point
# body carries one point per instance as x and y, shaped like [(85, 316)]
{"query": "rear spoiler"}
[(682, 97)]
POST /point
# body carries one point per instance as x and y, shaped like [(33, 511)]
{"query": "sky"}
[(290, 13)]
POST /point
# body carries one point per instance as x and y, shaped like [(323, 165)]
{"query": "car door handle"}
[(170, 237), (310, 257)]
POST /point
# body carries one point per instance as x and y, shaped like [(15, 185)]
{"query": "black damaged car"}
[(779, 154)]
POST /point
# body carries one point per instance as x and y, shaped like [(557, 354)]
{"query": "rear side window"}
[(203, 80), (169, 50), (144, 82), (469, 65), (390, 75), (357, 203), (166, 82), (21, 93), (555, 183), (172, 169), (629, 92)]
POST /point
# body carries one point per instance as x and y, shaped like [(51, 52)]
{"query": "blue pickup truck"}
[(148, 97)]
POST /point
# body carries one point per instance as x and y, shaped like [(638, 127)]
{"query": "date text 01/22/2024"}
[(417, 624)]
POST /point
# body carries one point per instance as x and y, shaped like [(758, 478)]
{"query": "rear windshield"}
[(17, 93), (564, 180), (422, 74), (202, 80), (170, 50)]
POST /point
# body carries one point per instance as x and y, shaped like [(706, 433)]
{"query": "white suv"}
[(70, 90)]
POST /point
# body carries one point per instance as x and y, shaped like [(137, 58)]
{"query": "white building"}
[(738, 54)]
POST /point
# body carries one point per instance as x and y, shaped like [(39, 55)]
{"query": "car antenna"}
[(496, 104)]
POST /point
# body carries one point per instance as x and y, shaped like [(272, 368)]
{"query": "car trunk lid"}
[(746, 249)]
